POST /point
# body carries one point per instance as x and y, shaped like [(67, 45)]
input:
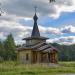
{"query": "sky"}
[(55, 20)]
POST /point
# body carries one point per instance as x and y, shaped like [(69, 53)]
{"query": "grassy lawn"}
[(13, 68)]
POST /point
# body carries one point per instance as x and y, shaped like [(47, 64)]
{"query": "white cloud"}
[(2, 36), (16, 29), (21, 31), (63, 40), (49, 30), (24, 8), (63, 6), (27, 18), (68, 29)]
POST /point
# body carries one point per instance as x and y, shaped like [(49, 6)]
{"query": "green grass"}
[(13, 68)]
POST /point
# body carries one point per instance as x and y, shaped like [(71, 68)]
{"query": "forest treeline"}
[(65, 52), (8, 50)]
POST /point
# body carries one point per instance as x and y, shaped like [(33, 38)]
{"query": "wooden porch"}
[(44, 57)]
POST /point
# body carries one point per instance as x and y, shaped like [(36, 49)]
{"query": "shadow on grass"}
[(28, 73)]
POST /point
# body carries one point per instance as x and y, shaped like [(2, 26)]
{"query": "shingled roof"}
[(44, 47)]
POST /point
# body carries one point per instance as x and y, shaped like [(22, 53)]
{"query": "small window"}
[(27, 56)]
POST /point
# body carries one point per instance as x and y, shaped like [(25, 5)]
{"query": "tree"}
[(1, 50), (10, 48), (65, 52)]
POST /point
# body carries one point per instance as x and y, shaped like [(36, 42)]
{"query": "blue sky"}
[(55, 20), (64, 19)]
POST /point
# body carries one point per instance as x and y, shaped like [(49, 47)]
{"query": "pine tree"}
[(10, 48), (2, 51)]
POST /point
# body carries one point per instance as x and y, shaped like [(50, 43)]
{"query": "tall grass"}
[(14, 68)]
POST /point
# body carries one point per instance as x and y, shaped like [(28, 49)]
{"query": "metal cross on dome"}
[(35, 9)]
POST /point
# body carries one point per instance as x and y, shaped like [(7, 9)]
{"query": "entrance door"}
[(44, 58)]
